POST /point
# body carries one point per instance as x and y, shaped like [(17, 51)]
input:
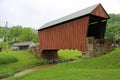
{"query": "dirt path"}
[(37, 68), (32, 69)]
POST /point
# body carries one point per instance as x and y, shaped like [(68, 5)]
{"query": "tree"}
[(113, 27), (14, 32), (28, 34), (2, 31)]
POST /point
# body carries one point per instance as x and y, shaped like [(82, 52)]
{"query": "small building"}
[(1, 39), (72, 31), (22, 45)]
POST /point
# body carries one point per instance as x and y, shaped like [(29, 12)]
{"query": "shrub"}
[(67, 55), (7, 58)]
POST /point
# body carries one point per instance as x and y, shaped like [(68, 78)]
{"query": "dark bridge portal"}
[(97, 27)]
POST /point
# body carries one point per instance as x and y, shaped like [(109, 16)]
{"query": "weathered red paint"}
[(99, 11), (70, 35)]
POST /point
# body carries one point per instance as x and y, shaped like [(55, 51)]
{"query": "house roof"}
[(22, 44), (77, 14)]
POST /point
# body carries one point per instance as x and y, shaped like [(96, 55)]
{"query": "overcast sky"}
[(35, 13)]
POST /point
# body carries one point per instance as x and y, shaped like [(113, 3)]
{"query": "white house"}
[(22, 45)]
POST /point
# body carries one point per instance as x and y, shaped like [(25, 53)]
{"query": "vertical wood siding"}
[(69, 35), (99, 11)]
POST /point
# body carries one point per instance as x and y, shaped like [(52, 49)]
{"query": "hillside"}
[(107, 61), (15, 61), (105, 67)]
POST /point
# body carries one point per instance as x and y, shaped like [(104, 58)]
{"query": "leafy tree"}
[(28, 34), (113, 27), (2, 31), (15, 32), (18, 34)]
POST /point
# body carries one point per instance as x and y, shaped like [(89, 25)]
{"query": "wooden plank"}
[(99, 11), (69, 35)]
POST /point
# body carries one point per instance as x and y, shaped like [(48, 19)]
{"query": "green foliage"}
[(28, 34), (25, 60), (2, 31), (67, 54), (105, 67), (17, 33), (3, 45), (7, 58), (113, 27), (14, 32), (114, 18)]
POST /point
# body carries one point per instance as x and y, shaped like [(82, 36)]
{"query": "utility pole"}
[(6, 36)]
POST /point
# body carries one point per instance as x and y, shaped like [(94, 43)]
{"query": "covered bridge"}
[(71, 31)]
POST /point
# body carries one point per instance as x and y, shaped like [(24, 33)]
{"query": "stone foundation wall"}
[(97, 47)]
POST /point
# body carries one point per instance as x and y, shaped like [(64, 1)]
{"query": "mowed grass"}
[(24, 60), (105, 67), (72, 74)]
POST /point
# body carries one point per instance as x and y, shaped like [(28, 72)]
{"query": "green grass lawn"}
[(105, 67), (24, 60), (72, 74)]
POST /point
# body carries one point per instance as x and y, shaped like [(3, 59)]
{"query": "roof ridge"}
[(71, 16)]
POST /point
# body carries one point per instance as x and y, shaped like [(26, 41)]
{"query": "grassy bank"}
[(7, 58), (105, 67), (24, 60)]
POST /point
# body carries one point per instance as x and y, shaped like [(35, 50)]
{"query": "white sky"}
[(35, 13)]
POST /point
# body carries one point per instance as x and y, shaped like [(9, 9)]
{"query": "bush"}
[(7, 58), (67, 55)]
